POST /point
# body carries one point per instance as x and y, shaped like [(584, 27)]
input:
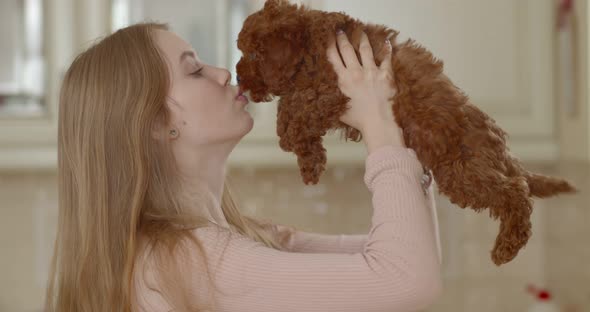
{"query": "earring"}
[(173, 133)]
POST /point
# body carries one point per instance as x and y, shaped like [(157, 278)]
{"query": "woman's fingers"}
[(386, 63), (349, 59), (334, 57), (347, 51), (366, 52)]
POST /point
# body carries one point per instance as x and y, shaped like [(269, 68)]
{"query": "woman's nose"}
[(228, 78), (224, 75)]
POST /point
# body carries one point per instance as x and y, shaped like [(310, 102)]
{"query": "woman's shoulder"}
[(211, 241)]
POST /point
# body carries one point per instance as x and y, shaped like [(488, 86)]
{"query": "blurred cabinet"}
[(34, 35), (48, 34), (500, 52)]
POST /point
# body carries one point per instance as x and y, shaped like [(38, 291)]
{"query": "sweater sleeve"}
[(311, 242), (396, 270), (295, 240)]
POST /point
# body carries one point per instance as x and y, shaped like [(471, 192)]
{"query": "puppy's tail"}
[(544, 186)]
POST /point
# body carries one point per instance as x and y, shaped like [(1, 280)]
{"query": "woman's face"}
[(204, 106)]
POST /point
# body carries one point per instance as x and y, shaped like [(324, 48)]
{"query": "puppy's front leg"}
[(284, 119), (311, 158), (302, 134)]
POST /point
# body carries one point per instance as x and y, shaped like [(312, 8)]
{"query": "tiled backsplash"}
[(557, 256)]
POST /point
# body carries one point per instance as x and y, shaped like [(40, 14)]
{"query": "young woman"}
[(146, 220)]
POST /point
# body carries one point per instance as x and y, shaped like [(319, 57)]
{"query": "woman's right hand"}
[(370, 91)]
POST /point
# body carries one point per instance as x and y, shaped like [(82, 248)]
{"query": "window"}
[(22, 64)]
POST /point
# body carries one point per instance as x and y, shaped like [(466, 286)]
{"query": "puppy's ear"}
[(283, 49), (273, 7), (284, 52)]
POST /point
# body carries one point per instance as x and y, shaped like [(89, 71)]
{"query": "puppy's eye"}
[(252, 56)]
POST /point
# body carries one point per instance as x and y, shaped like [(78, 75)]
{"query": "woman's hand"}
[(370, 91)]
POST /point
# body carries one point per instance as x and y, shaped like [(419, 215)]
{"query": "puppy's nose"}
[(238, 78)]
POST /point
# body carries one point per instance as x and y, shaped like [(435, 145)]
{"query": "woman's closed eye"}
[(197, 73)]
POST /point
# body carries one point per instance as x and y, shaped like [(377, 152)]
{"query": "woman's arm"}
[(301, 241), (398, 269), (295, 240)]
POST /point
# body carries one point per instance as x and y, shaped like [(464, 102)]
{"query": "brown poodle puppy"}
[(284, 54)]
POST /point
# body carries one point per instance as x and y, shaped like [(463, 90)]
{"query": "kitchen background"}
[(524, 62)]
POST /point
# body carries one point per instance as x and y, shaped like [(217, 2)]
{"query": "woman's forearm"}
[(382, 133)]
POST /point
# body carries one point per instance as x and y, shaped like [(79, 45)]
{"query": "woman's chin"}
[(245, 110), (250, 121)]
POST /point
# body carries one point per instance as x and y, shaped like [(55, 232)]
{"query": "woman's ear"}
[(162, 131), (158, 132)]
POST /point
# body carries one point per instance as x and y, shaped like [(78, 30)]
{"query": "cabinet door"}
[(499, 52), (35, 45)]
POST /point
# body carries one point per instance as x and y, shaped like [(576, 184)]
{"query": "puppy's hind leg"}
[(473, 184)]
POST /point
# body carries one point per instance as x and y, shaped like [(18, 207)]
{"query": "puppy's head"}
[(272, 42)]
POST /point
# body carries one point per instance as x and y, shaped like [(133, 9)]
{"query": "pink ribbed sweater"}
[(395, 267)]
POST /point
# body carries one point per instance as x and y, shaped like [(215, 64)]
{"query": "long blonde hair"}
[(117, 184)]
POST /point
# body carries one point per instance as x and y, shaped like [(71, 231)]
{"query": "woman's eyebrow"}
[(185, 54)]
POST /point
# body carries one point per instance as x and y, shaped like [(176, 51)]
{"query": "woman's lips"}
[(243, 98)]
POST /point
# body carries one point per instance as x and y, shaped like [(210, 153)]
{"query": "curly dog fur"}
[(284, 54)]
